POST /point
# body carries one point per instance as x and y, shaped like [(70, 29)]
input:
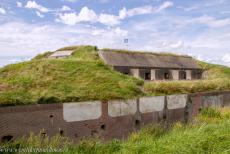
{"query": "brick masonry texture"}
[(106, 120)]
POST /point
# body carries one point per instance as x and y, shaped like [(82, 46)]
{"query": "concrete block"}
[(81, 111), (176, 101), (175, 115), (175, 74), (151, 104), (118, 108), (226, 99), (135, 72), (153, 74), (212, 101), (188, 74)]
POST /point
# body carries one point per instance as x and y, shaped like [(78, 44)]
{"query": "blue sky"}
[(200, 28)]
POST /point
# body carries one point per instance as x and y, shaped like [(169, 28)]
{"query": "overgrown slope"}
[(217, 77), (83, 76), (80, 77)]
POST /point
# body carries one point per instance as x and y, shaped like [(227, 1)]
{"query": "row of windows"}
[(163, 74)]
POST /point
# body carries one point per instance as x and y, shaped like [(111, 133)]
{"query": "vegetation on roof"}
[(217, 77), (83, 76), (209, 133), (145, 52)]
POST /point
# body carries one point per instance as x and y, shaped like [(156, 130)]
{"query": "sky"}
[(200, 28)]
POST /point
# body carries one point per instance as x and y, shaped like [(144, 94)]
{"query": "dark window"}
[(137, 122), (182, 75), (166, 75), (147, 76), (61, 132)]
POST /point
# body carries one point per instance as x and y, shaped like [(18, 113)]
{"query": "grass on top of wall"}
[(81, 77), (217, 77), (209, 133)]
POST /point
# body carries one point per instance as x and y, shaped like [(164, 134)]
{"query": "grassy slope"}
[(83, 76), (78, 78), (209, 133), (217, 78)]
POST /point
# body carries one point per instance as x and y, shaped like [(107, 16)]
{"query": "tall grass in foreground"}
[(209, 133)]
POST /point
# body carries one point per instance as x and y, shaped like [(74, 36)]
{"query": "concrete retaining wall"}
[(108, 119)]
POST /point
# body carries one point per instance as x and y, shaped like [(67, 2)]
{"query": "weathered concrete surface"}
[(175, 115), (212, 101), (196, 103), (175, 74), (153, 74), (176, 101), (81, 111), (135, 72), (188, 74), (176, 108), (226, 99), (122, 107), (151, 104), (127, 116)]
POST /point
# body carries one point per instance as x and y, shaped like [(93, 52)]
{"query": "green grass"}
[(217, 77), (81, 77), (144, 52), (209, 133)]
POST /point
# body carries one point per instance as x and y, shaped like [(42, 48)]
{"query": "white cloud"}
[(68, 18), (30, 39), (39, 14), (19, 4), (164, 6), (226, 58), (123, 13), (178, 44), (65, 8), (188, 9), (87, 15), (108, 19), (34, 5), (211, 21), (2, 11)]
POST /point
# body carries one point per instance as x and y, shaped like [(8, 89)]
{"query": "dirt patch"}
[(4, 87)]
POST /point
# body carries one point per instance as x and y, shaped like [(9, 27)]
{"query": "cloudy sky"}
[(196, 27)]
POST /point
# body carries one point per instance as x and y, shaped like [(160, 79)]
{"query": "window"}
[(182, 75), (166, 75), (147, 76)]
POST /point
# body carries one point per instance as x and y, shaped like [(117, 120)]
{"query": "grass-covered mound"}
[(81, 77), (216, 77), (209, 133)]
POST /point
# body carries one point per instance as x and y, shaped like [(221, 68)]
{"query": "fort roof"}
[(148, 60)]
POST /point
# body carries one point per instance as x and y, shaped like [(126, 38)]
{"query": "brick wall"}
[(106, 120)]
